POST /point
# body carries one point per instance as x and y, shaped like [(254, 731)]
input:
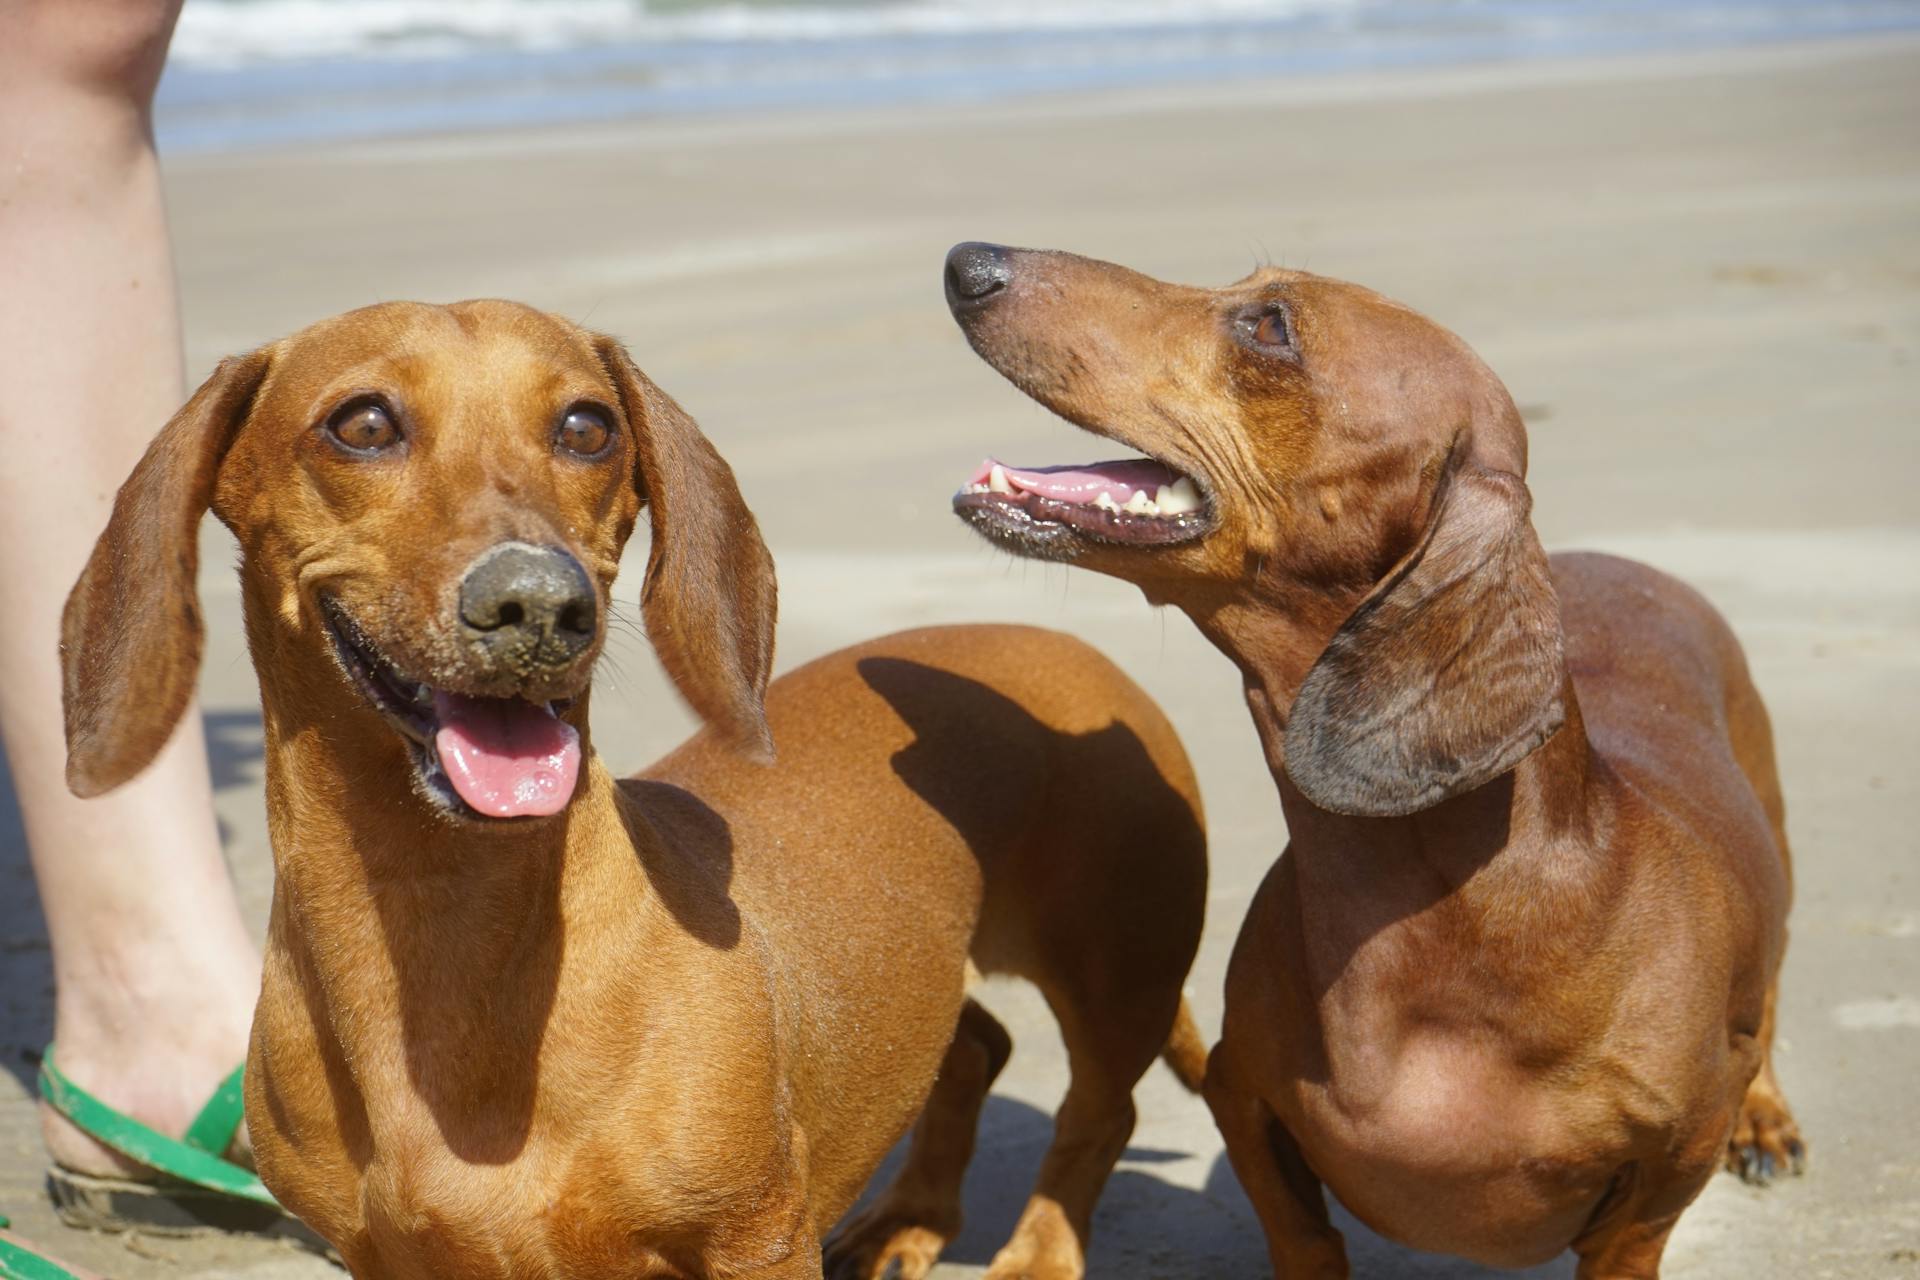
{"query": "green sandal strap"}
[(213, 1129), (189, 1163), (17, 1262)]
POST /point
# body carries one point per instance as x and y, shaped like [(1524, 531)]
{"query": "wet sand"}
[(1699, 275)]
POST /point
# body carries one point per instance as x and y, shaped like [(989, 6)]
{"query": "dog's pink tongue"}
[(506, 757), (1084, 483)]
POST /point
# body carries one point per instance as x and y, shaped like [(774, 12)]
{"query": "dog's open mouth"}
[(1137, 502), (477, 757)]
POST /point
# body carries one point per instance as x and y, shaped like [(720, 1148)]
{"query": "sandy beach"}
[(1699, 275)]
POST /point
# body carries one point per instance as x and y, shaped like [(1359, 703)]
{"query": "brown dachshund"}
[(522, 1019), (1510, 990)]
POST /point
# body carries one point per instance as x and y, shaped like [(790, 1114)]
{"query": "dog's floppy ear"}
[(130, 636), (1448, 673), (709, 598)]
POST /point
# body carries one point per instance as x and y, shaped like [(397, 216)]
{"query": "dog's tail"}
[(1186, 1051)]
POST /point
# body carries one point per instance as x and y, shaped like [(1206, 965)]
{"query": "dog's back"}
[(1003, 791), (1672, 712)]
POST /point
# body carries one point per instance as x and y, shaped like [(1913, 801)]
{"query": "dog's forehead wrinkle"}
[(504, 364)]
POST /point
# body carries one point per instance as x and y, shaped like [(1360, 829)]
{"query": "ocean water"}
[(271, 72)]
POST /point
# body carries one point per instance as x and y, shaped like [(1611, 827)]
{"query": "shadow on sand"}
[(1150, 1228), (26, 965)]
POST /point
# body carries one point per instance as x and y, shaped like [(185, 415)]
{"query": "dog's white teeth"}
[(1105, 502), (997, 480), (1179, 497), (975, 488), (1140, 504)]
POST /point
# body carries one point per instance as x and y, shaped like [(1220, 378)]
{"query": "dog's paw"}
[(1055, 1267), (1044, 1247), (883, 1244), (1766, 1142)]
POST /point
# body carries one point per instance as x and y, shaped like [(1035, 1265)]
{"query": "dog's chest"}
[(1447, 1145), (578, 1213)]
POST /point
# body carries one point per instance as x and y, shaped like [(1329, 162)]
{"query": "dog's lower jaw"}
[(1020, 533), (489, 776), (1043, 529)]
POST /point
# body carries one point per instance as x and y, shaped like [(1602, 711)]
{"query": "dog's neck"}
[(1545, 799), (436, 945), (1514, 873)]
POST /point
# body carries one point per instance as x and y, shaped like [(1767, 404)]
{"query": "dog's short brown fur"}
[(671, 1030), (1510, 990)]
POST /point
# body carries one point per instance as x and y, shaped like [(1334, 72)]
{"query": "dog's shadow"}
[(26, 965), (236, 746), (1371, 1256), (1146, 1225), (1150, 1227)]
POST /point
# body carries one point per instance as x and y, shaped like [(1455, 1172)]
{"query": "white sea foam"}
[(236, 32), (266, 72)]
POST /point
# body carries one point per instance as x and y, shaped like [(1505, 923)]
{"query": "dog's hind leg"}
[(1766, 1142), (1111, 1039), (900, 1235)]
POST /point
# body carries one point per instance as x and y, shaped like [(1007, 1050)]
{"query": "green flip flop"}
[(18, 1262), (197, 1190)]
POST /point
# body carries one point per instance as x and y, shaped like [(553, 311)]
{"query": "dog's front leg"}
[(1626, 1244), (1288, 1197), (1626, 1237)]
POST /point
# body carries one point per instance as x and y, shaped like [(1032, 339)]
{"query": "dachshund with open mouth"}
[(1510, 988), (521, 1018)]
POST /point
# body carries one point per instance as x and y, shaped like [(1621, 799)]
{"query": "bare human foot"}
[(157, 1054)]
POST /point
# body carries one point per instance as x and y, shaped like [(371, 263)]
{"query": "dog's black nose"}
[(535, 600), (975, 272)]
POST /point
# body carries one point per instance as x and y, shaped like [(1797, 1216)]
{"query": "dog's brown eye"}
[(584, 431), (1268, 331), (364, 426)]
